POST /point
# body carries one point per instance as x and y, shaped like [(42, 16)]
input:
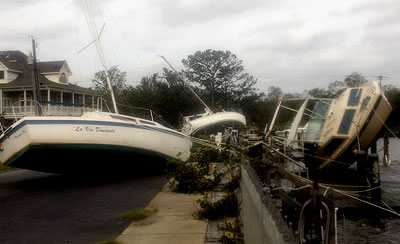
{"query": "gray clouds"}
[(296, 44)]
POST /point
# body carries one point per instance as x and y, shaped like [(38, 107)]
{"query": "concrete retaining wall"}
[(262, 220)]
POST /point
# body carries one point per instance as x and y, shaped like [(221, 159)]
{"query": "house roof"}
[(17, 61), (13, 60)]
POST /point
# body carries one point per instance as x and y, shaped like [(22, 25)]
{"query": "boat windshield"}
[(317, 120)]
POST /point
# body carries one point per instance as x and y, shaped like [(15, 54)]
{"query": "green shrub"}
[(197, 177), (191, 177), (232, 232), (226, 207)]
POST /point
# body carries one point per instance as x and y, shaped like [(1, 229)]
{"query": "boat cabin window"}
[(346, 121), (354, 99), (365, 102), (123, 118), (194, 117), (317, 120)]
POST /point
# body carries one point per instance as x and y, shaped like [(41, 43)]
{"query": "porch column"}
[(62, 96), (1, 100), (73, 97), (24, 101), (93, 102)]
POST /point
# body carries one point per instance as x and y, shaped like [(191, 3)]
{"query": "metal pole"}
[(100, 52), (188, 86), (336, 209), (35, 85)]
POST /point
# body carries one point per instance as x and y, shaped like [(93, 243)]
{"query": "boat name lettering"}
[(20, 134), (93, 129)]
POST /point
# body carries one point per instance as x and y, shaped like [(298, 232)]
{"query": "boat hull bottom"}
[(88, 158)]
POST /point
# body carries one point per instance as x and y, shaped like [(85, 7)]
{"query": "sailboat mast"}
[(188, 86), (95, 34)]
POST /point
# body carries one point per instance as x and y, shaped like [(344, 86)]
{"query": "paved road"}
[(42, 208)]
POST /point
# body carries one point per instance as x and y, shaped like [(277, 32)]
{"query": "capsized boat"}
[(339, 127), (63, 144), (194, 124)]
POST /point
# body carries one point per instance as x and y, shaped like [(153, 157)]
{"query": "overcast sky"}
[(295, 45)]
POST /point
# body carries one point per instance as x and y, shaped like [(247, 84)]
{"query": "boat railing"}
[(293, 165), (144, 113)]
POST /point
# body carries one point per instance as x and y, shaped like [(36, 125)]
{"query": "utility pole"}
[(35, 80), (380, 77)]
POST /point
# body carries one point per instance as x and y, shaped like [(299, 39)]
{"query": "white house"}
[(57, 95)]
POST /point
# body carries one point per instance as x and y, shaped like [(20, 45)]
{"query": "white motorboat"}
[(61, 144), (339, 127), (194, 124)]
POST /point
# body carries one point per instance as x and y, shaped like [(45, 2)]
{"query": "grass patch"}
[(3, 167), (138, 214), (109, 242)]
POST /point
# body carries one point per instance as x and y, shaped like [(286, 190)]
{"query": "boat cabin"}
[(58, 96)]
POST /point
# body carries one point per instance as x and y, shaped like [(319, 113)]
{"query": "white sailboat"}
[(63, 144), (194, 124)]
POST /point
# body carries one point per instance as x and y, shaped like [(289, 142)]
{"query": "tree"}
[(336, 88), (117, 78), (354, 79), (318, 93), (274, 93), (219, 76), (393, 95)]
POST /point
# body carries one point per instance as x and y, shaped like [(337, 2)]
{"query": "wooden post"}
[(361, 157), (385, 150), (373, 147), (374, 178)]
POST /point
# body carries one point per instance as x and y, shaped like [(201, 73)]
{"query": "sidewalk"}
[(172, 223)]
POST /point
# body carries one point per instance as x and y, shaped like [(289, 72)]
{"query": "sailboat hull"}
[(195, 126), (59, 144)]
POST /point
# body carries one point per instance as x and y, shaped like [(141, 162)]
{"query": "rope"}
[(383, 123), (349, 192), (374, 205), (351, 196), (290, 188), (333, 185), (332, 161)]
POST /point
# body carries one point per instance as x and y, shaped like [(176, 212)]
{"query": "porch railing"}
[(18, 111)]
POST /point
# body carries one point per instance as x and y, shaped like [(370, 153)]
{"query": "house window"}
[(6, 102), (63, 78), (1, 74), (28, 100)]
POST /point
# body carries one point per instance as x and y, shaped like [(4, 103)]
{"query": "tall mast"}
[(95, 34), (188, 86)]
